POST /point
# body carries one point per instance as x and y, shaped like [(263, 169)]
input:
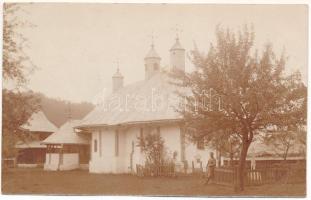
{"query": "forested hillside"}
[(58, 111)]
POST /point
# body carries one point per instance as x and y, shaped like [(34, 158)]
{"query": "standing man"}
[(211, 164)]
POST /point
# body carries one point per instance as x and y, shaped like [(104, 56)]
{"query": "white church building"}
[(131, 111)]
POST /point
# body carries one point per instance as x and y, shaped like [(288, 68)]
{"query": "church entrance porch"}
[(66, 157)]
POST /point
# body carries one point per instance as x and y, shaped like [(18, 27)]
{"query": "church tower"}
[(117, 81), (152, 63), (177, 56)]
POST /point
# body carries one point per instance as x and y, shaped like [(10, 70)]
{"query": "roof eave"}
[(173, 49), (64, 143), (156, 57), (164, 121)]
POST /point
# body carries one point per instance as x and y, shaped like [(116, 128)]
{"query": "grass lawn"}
[(37, 181)]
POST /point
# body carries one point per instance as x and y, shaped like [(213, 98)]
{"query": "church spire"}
[(152, 52), (117, 79), (118, 73), (177, 55), (177, 45), (152, 61)]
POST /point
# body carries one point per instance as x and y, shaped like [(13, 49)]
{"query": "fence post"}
[(192, 167)]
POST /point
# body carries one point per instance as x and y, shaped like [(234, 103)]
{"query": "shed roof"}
[(39, 123), (29, 145), (66, 135)]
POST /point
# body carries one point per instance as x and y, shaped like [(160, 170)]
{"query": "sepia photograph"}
[(186, 100)]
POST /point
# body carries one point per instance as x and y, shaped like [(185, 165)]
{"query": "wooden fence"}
[(229, 176), (164, 170), (225, 176), (8, 162), (267, 175)]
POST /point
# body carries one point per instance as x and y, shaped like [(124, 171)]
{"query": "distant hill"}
[(58, 110)]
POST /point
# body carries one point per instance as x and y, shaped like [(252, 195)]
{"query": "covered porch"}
[(30, 154), (67, 149), (66, 157)]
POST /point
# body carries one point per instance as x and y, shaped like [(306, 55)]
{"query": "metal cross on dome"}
[(152, 38), (117, 63), (177, 30)]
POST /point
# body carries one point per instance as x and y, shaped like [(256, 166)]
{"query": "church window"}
[(95, 146), (117, 143)]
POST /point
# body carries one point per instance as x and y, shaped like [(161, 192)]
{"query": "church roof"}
[(149, 100), (152, 53), (177, 45), (39, 123), (66, 135)]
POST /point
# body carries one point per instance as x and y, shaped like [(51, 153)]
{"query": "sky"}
[(76, 46)]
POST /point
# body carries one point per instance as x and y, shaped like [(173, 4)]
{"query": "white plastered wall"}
[(104, 160), (70, 161), (172, 140)]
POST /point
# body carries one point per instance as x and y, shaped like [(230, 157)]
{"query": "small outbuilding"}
[(31, 153), (261, 155), (66, 149)]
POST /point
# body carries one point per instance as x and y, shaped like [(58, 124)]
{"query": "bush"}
[(152, 145)]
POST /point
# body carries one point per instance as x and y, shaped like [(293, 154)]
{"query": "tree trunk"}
[(231, 156), (219, 162), (218, 156), (285, 153), (241, 167)]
